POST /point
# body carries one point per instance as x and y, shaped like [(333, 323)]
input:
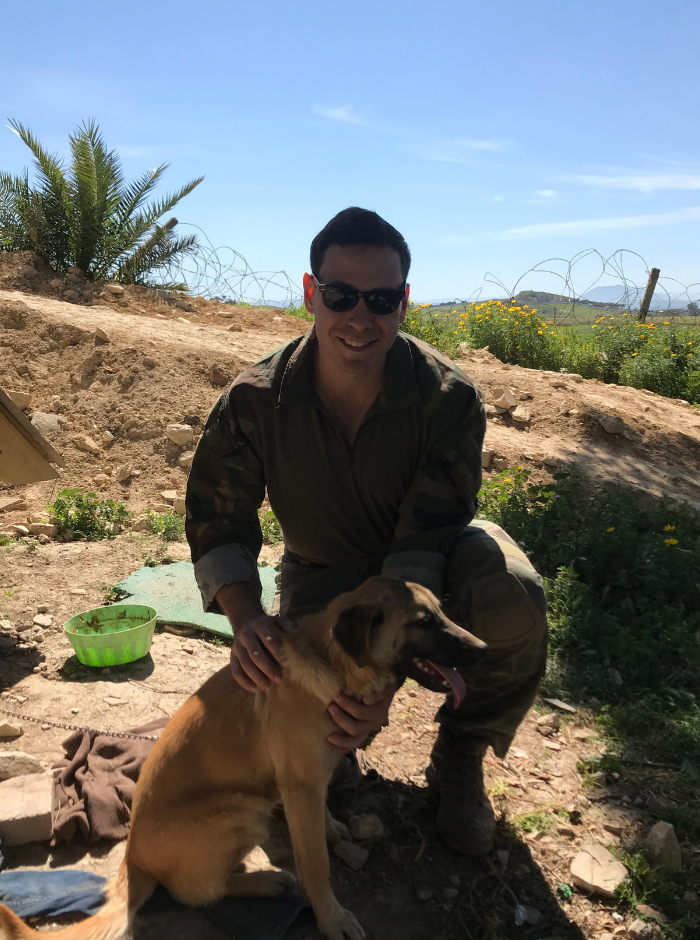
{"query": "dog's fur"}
[(227, 758)]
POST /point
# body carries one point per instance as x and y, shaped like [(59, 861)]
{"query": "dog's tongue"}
[(454, 680)]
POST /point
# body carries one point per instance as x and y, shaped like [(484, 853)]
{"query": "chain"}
[(60, 724)]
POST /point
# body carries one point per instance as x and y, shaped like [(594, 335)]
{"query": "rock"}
[(366, 826), (185, 461), (613, 424), (353, 855), (179, 505), (532, 916), (18, 764), (594, 869), (179, 433), (690, 897), (575, 377), (449, 893), (56, 282), (48, 423), (107, 437), (504, 398), (43, 528), (113, 701), (520, 415), (558, 383), (18, 530), (8, 503), (548, 724), (218, 375), (116, 290), (9, 729), (102, 479), (70, 295), (638, 930), (500, 463), (486, 458), (122, 474), (663, 848), (183, 320), (653, 913), (43, 620), (615, 829), (101, 338), (77, 591), (5, 625), (182, 304), (557, 703), (503, 855), (26, 808), (169, 496), (566, 831), (454, 880), (615, 677), (42, 609), (424, 894), (493, 410), (87, 445), (22, 399), (235, 328)]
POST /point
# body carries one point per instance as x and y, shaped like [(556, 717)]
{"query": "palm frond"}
[(155, 210), (48, 165), (159, 251), (133, 195)]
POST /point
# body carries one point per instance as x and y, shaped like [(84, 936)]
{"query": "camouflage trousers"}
[(491, 589)]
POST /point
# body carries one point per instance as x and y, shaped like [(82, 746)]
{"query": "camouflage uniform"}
[(400, 501)]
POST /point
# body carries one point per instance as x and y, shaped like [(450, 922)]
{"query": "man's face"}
[(357, 340)]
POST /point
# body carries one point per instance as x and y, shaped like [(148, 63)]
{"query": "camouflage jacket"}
[(405, 487)]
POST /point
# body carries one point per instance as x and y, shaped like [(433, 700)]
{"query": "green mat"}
[(173, 592)]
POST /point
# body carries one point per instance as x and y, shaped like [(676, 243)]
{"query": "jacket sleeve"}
[(442, 498), (225, 489)]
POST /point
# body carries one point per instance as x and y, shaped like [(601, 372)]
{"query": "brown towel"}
[(96, 781)]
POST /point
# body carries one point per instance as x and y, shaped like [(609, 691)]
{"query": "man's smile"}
[(357, 343)]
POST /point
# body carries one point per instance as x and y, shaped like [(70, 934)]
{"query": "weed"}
[(534, 822), (6, 540), (86, 516), (113, 595), (31, 547), (170, 526), (499, 788), (300, 312), (270, 527)]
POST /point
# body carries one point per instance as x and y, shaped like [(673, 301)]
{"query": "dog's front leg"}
[(305, 809)]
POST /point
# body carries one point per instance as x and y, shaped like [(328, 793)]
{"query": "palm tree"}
[(87, 215)]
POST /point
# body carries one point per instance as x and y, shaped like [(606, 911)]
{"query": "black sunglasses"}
[(382, 301)]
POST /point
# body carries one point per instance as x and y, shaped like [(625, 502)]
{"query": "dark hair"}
[(355, 226)]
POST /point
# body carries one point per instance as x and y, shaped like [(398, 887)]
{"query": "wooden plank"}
[(25, 457), (17, 417)]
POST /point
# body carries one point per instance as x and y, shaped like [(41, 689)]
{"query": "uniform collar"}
[(400, 387)]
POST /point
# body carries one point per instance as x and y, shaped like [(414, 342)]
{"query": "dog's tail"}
[(125, 894)]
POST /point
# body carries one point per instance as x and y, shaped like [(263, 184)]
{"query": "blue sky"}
[(493, 135)]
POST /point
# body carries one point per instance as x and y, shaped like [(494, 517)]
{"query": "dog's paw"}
[(343, 926), (280, 881)]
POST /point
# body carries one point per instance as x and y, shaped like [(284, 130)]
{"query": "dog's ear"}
[(354, 630)]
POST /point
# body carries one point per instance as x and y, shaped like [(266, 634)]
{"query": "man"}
[(369, 444)]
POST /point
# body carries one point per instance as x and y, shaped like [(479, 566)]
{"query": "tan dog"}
[(227, 758)]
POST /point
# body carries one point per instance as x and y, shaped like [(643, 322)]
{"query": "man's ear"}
[(354, 630)]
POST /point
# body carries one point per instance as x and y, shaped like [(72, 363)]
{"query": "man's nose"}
[(360, 317)]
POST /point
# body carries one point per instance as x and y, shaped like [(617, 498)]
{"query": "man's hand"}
[(357, 720), (256, 654)]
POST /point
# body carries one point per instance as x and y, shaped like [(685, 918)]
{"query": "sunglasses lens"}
[(384, 302), (338, 299)]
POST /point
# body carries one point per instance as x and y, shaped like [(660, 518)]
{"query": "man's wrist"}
[(240, 603)]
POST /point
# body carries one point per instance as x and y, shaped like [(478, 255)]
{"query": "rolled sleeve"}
[(227, 564)]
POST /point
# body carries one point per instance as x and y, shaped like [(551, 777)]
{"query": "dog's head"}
[(398, 627)]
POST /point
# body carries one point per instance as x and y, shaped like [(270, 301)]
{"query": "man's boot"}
[(466, 821)]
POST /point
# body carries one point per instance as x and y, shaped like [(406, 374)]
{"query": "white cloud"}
[(458, 150), (619, 223), (644, 184), (345, 114), (547, 193)]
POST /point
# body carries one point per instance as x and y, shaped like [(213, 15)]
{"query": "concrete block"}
[(18, 764), (26, 809)]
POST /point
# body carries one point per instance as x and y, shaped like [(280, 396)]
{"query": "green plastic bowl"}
[(110, 636)]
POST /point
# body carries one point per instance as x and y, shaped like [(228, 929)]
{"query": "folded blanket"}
[(96, 783)]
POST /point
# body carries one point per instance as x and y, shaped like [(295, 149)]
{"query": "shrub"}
[(170, 526), (270, 527), (86, 516)]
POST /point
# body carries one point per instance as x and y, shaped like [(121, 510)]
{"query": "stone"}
[(563, 706), (48, 423), (101, 338), (8, 503), (182, 304), (662, 847), (235, 328), (26, 808), (179, 505), (638, 930), (353, 855), (9, 729), (366, 826), (102, 479), (548, 724), (493, 410), (504, 398), (575, 377), (18, 764), (486, 458), (18, 530), (56, 282), (424, 894), (113, 701), (183, 320), (218, 375), (43, 528), (22, 399), (449, 893), (5, 624), (653, 913), (122, 474), (168, 496), (615, 829), (70, 294), (185, 461), (595, 870), (690, 897), (42, 609), (532, 916), (565, 831), (612, 424), (179, 433), (116, 290), (520, 415), (107, 437), (43, 620), (503, 855), (454, 880), (615, 677), (500, 463), (87, 445), (558, 383)]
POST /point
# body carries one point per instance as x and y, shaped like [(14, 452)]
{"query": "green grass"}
[(86, 516), (169, 526), (300, 312), (623, 586)]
